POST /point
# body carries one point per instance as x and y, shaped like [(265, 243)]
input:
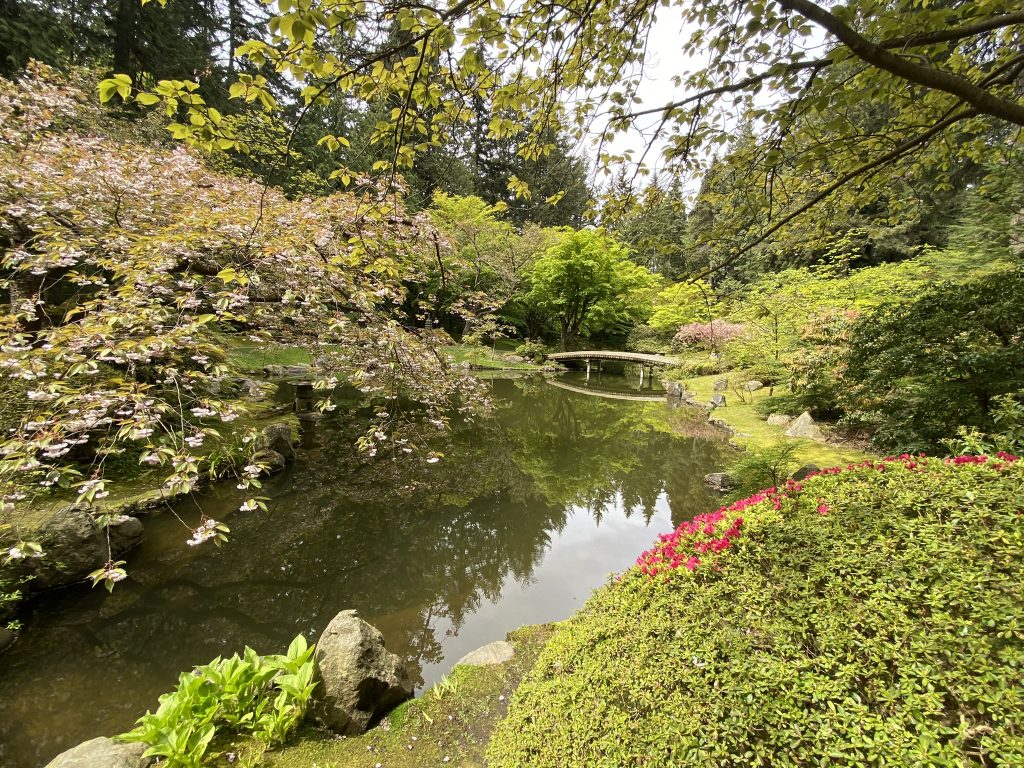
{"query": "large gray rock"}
[(753, 385), (779, 420), (277, 438), (720, 385), (497, 652), (720, 482), (102, 753), (358, 680), (74, 545), (804, 426), (718, 401)]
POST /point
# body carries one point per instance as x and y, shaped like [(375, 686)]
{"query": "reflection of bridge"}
[(638, 398), (646, 362)]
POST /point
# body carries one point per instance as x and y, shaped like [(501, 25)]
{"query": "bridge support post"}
[(641, 376), (588, 369)]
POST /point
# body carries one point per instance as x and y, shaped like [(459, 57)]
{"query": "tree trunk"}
[(125, 26)]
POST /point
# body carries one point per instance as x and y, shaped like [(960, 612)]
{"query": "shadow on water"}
[(529, 511)]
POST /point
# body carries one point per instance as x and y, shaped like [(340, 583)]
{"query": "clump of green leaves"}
[(865, 617), (533, 350), (265, 696)]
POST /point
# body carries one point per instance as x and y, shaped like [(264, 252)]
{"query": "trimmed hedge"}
[(868, 616)]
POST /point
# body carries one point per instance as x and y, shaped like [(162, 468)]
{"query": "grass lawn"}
[(755, 433)]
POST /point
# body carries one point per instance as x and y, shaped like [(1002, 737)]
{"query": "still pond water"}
[(529, 511)]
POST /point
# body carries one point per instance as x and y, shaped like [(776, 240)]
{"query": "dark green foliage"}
[(874, 620), (918, 371)]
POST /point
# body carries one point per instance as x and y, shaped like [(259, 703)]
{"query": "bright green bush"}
[(864, 618), (265, 696)]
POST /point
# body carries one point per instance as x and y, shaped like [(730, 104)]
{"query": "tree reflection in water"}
[(417, 548)]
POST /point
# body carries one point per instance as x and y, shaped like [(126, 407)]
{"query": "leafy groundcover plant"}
[(869, 615), (263, 696)]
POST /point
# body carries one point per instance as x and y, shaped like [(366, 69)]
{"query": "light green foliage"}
[(265, 696), (480, 265), (587, 283), (873, 620), (681, 303)]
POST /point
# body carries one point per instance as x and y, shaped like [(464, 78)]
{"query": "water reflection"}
[(528, 512)]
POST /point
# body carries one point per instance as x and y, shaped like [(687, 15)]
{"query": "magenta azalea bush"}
[(868, 615), (714, 532)]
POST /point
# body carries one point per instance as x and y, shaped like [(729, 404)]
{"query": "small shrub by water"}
[(864, 616)]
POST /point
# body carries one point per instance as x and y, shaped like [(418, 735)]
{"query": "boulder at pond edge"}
[(358, 680), (74, 545), (102, 753), (497, 652)]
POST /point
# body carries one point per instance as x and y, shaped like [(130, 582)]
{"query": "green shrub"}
[(261, 695), (532, 350), (916, 372), (644, 338), (771, 373), (701, 367), (870, 617), (1007, 433)]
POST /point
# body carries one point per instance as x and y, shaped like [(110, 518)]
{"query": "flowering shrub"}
[(867, 615), (714, 532), (127, 266), (710, 336)]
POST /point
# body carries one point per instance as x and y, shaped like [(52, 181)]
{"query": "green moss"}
[(873, 619), (755, 433), (454, 719)]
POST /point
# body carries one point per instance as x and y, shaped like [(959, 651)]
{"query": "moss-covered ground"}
[(751, 431), (448, 725)]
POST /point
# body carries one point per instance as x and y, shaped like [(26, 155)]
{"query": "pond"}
[(528, 512)]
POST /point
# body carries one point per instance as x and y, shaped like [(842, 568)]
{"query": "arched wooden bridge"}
[(645, 361), (627, 357), (636, 398)]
